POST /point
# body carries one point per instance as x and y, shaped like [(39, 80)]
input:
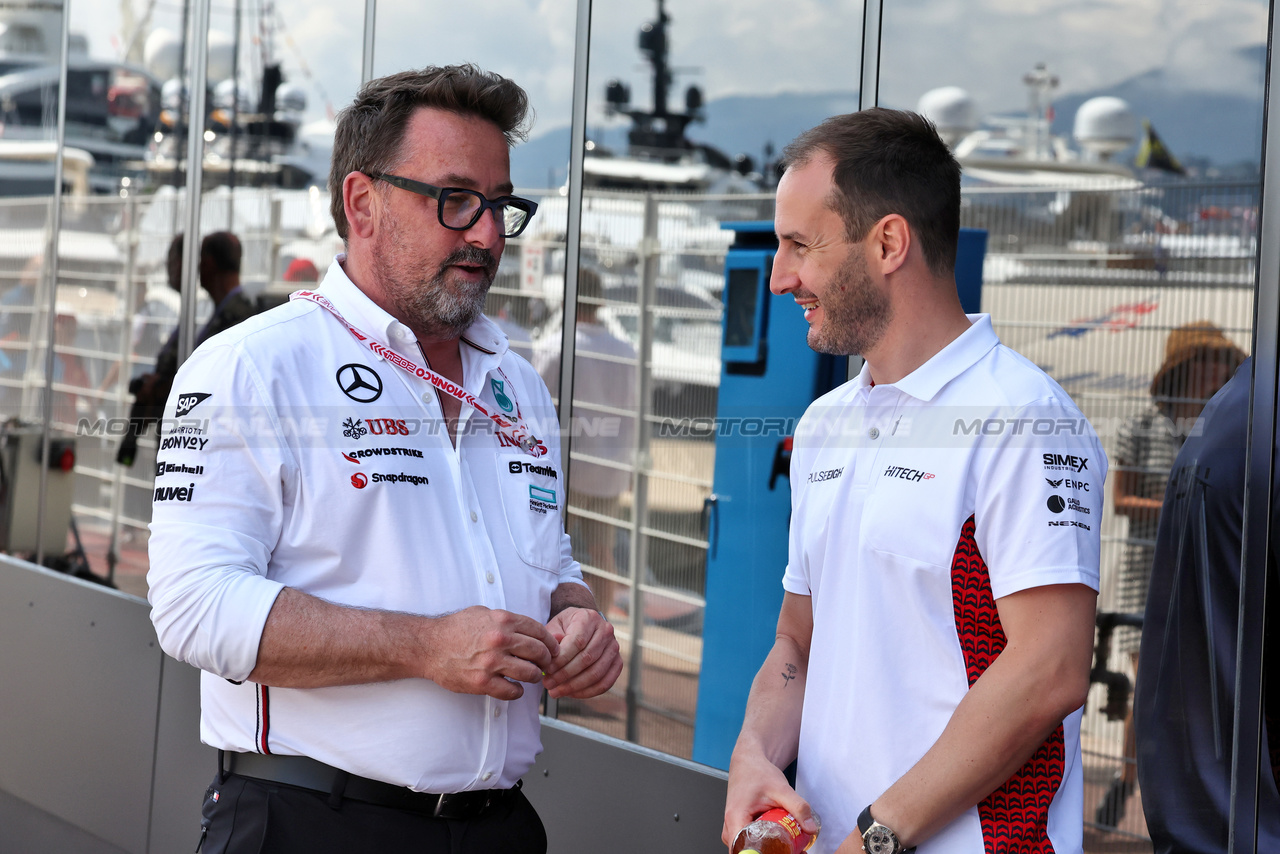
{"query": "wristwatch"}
[(878, 839)]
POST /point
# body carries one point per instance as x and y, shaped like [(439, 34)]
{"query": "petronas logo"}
[(503, 400)]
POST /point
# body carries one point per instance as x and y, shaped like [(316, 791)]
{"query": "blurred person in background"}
[(1184, 702), (1198, 360), (220, 255)]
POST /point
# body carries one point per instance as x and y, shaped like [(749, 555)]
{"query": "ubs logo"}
[(360, 383)]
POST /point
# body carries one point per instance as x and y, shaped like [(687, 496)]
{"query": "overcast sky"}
[(750, 46)]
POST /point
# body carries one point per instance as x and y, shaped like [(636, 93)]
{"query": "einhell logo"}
[(1059, 462), (188, 402)]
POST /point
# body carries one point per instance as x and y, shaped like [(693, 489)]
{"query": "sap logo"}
[(1061, 462), (188, 402), (175, 493), (518, 467)]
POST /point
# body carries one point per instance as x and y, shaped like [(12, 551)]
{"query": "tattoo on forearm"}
[(789, 674)]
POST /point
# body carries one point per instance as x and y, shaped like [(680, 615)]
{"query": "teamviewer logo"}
[(514, 467)]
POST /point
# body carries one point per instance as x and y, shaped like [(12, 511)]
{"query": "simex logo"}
[(359, 481), (188, 402), (518, 467), (1059, 462), (175, 493)]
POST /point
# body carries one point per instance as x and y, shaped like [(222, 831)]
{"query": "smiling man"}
[(366, 552), (934, 644)]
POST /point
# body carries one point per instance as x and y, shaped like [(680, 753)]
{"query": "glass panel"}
[(528, 291), (31, 50), (686, 114), (1112, 158), (266, 153)]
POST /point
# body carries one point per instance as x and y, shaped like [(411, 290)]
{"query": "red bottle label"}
[(800, 840)]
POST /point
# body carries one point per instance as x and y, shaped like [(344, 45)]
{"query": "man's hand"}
[(757, 785), (589, 661), (479, 650)]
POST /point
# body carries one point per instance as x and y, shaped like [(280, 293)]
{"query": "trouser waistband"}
[(307, 773)]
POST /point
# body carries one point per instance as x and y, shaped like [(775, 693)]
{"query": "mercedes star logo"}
[(360, 383)]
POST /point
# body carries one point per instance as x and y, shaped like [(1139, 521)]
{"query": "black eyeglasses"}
[(459, 209)]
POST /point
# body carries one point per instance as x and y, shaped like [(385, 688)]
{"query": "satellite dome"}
[(222, 51), (952, 110), (224, 96), (291, 98), (162, 53), (1104, 126), (172, 93)]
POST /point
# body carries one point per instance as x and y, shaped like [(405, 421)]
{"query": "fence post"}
[(122, 378), (649, 251)]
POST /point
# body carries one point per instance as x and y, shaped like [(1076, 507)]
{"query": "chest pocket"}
[(533, 497)]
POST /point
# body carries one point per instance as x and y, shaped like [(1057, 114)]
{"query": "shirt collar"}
[(365, 314), (948, 363)]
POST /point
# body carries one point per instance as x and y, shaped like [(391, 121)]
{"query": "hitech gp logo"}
[(904, 473)]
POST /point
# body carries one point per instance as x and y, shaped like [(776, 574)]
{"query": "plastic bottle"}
[(775, 832)]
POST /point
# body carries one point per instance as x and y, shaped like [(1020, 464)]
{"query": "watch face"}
[(879, 840)]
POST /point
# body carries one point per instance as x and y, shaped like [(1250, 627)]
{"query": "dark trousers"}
[(248, 816)]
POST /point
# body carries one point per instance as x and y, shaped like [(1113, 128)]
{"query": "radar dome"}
[(952, 110), (1104, 126), (162, 53), (221, 56), (291, 98)]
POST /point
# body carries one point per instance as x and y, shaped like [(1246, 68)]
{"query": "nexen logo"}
[(517, 467), (1059, 461)]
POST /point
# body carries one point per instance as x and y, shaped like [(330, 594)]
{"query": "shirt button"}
[(497, 713), (426, 397), (488, 576), (474, 517), (875, 433), (487, 776)]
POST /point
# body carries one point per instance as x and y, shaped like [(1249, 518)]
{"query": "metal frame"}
[(1246, 753), (199, 76)]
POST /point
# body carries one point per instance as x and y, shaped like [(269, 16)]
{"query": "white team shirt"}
[(914, 506), (270, 475)]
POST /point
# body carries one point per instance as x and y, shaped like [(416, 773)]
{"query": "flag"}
[(1152, 153)]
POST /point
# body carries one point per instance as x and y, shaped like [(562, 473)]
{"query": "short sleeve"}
[(1038, 502)]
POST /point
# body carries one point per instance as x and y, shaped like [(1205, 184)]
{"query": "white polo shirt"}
[(271, 475), (915, 505)]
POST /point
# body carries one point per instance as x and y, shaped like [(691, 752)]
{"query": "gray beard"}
[(436, 308)]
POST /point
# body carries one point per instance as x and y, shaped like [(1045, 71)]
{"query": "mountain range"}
[(1217, 129)]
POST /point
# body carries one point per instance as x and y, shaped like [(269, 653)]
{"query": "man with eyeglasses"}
[(358, 527)]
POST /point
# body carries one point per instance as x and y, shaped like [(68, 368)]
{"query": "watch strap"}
[(865, 824)]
